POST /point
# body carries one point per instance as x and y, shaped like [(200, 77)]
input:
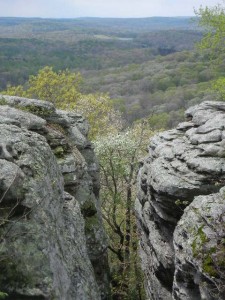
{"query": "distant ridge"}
[(134, 24)]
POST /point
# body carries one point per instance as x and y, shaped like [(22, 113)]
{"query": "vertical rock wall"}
[(182, 237), (53, 243)]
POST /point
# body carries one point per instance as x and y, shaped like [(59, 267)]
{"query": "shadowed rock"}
[(51, 246)]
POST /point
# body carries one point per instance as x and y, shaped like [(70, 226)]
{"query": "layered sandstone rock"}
[(53, 245), (179, 249)]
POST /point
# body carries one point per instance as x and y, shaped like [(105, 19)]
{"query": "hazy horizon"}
[(88, 17), (101, 8)]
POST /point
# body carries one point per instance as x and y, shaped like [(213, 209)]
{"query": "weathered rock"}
[(54, 244), (182, 163), (200, 250)]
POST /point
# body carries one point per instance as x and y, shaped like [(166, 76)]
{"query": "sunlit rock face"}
[(53, 245), (182, 236)]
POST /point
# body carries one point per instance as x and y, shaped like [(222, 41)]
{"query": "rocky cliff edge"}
[(53, 245), (180, 208)]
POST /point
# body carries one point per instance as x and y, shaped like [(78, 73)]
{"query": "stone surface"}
[(200, 250), (181, 164), (53, 242)]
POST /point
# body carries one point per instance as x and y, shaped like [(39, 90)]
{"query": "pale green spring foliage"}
[(62, 89), (116, 146), (123, 148), (3, 295), (219, 87), (119, 154), (99, 111), (128, 140), (213, 21)]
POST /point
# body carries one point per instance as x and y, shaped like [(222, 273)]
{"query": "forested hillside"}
[(26, 45), (159, 86), (148, 66)]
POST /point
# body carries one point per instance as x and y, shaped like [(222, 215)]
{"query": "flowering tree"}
[(119, 155)]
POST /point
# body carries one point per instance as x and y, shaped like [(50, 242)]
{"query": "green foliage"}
[(119, 155), (219, 87), (167, 84), (87, 44), (3, 295), (99, 111), (212, 258), (199, 241), (159, 121), (39, 111), (181, 203), (56, 87), (59, 151), (15, 90), (208, 264), (145, 68), (3, 101), (62, 89), (13, 272), (213, 20)]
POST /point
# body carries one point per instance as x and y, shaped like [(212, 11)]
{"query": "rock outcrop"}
[(53, 245), (180, 208)]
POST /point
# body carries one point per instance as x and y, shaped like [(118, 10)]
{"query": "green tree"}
[(100, 112), (119, 155), (213, 21), (62, 89)]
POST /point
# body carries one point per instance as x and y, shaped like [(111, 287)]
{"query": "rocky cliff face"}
[(180, 208), (53, 245)]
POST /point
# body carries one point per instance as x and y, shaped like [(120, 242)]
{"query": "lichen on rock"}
[(47, 180), (179, 247), (200, 249)]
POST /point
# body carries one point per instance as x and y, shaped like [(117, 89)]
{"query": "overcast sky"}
[(100, 8)]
